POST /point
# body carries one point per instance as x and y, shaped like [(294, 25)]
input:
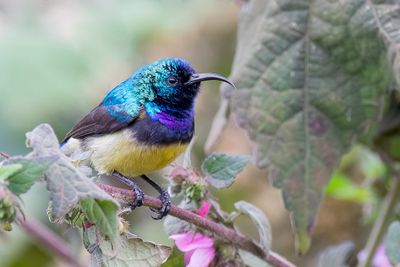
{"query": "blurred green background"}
[(58, 58)]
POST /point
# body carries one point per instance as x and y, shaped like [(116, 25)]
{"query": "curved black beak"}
[(199, 77)]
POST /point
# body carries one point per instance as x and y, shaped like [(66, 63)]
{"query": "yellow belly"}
[(120, 152)]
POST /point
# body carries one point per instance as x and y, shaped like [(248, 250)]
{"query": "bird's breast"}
[(122, 152)]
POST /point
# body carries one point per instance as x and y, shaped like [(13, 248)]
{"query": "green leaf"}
[(8, 208), (310, 78), (336, 256), (134, 252), (221, 169), (259, 219), (8, 170), (102, 214), (176, 259), (341, 187), (31, 169), (392, 243), (68, 185)]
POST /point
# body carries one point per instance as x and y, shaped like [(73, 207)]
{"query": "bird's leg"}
[(164, 197), (139, 195)]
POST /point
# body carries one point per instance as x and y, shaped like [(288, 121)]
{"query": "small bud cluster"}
[(8, 211), (188, 182)]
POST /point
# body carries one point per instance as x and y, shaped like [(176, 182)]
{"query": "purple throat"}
[(174, 122)]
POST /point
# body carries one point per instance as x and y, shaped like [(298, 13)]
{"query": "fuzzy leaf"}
[(102, 214), (67, 184), (336, 256), (173, 225), (21, 181), (259, 219), (134, 252), (221, 169), (7, 170), (251, 260), (310, 77), (392, 243)]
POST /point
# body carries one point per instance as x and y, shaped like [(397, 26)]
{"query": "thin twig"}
[(49, 239), (4, 155), (219, 229)]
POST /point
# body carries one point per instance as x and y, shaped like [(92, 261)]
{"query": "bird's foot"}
[(166, 206), (139, 194), (164, 197)]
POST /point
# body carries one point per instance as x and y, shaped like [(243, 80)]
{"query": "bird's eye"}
[(172, 81)]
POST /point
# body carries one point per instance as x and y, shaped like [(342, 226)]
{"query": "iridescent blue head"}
[(166, 87), (166, 79), (172, 82)]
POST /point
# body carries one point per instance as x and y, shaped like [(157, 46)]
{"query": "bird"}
[(142, 125)]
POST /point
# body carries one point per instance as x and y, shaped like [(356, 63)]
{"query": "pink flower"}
[(198, 249), (380, 259), (204, 209)]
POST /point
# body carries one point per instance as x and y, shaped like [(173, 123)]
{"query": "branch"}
[(219, 229), (49, 239)]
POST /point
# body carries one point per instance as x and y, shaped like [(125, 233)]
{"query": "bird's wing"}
[(102, 120)]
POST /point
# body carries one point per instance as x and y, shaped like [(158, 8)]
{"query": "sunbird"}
[(142, 125)]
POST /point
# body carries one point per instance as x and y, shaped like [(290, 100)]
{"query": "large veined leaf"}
[(310, 78), (129, 251), (135, 252)]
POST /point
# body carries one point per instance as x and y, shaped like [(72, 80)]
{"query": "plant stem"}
[(382, 221), (49, 239), (222, 231)]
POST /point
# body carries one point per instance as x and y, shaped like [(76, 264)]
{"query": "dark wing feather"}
[(99, 121)]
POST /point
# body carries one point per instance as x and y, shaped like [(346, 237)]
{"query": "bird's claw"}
[(139, 196), (166, 205)]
